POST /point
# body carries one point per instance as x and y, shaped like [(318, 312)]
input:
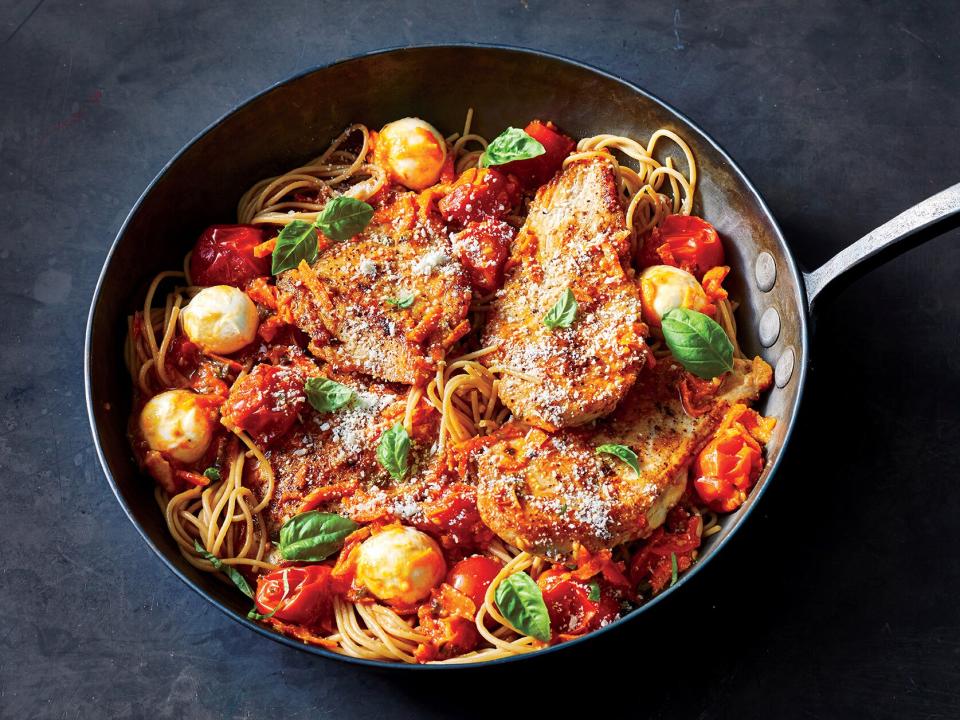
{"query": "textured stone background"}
[(839, 597)]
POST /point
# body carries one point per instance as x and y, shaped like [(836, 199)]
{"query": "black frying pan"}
[(296, 119)]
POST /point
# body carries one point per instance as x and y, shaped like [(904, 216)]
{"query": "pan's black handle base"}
[(913, 227)]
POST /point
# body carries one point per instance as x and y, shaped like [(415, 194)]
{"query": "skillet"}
[(296, 119)]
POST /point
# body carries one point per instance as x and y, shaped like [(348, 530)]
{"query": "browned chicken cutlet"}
[(545, 493), (575, 237), (387, 302)]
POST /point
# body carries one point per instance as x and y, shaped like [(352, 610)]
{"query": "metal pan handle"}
[(932, 211)]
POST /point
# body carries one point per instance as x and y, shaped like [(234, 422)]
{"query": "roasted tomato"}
[(684, 241), (301, 595), (265, 403), (575, 606), (224, 256), (446, 620), (726, 469), (482, 248), (477, 194), (673, 542), (536, 171), (453, 517), (473, 575)]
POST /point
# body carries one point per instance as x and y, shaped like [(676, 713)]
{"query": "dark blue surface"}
[(837, 599)]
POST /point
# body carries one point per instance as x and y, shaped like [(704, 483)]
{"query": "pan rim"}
[(800, 373)]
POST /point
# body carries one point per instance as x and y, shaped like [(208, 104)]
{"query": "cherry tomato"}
[(265, 403), (473, 576), (482, 248), (684, 241), (675, 540), (184, 355), (569, 603), (301, 595), (477, 194), (224, 256), (536, 171), (726, 469)]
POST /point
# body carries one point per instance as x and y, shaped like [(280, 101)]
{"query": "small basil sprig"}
[(673, 569), (594, 594), (314, 536), (520, 601), (512, 144), (697, 342), (327, 395), (623, 452), (394, 450), (341, 219), (239, 580), (563, 312), (401, 303), (212, 474)]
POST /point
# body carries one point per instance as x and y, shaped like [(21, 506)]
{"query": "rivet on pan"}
[(769, 327), (765, 271), (784, 369)]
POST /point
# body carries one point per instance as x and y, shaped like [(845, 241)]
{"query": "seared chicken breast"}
[(545, 493), (575, 237), (388, 301)]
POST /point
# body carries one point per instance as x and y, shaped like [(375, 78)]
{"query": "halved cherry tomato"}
[(726, 469), (224, 256), (534, 172), (569, 603), (477, 194), (265, 403), (674, 541), (684, 241), (301, 595), (482, 248), (473, 575)]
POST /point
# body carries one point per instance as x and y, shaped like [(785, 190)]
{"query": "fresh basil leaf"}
[(512, 144), (327, 395), (698, 343), (297, 241), (343, 217), (254, 615), (622, 452), (212, 474), (402, 303), (563, 312), (594, 595), (239, 580), (673, 569), (520, 601), (314, 536), (393, 451)]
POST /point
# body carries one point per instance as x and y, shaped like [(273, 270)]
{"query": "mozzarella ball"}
[(178, 424), (220, 319), (412, 152), (664, 287), (400, 565)]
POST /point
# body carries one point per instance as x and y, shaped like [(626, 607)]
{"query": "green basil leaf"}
[(698, 343), (402, 303), (239, 580), (520, 601), (673, 569), (394, 450), (327, 395), (314, 536), (343, 217), (254, 615), (622, 452), (512, 144), (212, 474), (297, 241), (563, 312), (594, 595)]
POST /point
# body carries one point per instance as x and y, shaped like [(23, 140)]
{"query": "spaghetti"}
[(225, 513)]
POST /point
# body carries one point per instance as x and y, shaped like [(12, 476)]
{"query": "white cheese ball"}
[(664, 287), (412, 152), (220, 319), (178, 424), (400, 565)]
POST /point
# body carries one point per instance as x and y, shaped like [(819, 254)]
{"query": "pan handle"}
[(932, 211)]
